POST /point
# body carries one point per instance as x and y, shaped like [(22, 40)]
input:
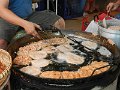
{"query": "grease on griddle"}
[(60, 63)]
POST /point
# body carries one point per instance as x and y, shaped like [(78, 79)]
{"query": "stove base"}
[(112, 86), (20, 86)]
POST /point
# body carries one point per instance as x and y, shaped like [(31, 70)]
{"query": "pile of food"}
[(69, 57)]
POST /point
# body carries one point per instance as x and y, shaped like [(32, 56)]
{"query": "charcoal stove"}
[(24, 81)]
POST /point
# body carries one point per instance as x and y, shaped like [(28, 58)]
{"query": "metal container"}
[(111, 34)]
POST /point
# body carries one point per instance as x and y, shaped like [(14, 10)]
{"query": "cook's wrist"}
[(24, 24), (117, 3)]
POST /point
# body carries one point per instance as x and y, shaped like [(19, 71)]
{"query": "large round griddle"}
[(102, 79)]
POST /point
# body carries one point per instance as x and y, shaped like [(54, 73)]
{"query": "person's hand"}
[(112, 7), (30, 28)]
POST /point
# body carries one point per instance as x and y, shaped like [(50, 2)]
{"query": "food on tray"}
[(26, 49), (62, 58), (88, 70), (40, 63), (64, 48), (83, 72), (32, 47), (70, 58), (104, 51), (22, 60), (59, 41), (31, 70), (51, 74), (65, 74), (70, 75), (49, 49), (89, 44), (114, 27), (38, 54), (111, 41), (96, 64), (74, 59)]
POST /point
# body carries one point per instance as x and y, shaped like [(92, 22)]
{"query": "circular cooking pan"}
[(102, 79)]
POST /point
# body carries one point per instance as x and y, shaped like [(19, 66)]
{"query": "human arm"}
[(113, 6), (10, 17)]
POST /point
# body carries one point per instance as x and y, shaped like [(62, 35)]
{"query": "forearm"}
[(118, 2), (9, 16)]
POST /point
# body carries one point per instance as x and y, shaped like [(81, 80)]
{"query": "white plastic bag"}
[(93, 26)]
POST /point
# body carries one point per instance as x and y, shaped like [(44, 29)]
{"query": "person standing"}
[(13, 14)]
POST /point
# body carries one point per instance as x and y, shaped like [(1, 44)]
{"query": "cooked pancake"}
[(61, 57), (104, 51), (89, 44), (31, 70), (65, 74), (51, 74), (37, 54), (74, 59), (64, 48), (49, 49), (54, 41), (40, 63), (22, 60)]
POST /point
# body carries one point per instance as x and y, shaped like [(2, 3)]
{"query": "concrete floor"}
[(76, 23)]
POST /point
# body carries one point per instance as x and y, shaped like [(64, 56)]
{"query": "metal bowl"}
[(109, 33)]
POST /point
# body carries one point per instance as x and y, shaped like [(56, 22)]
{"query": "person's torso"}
[(21, 8)]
